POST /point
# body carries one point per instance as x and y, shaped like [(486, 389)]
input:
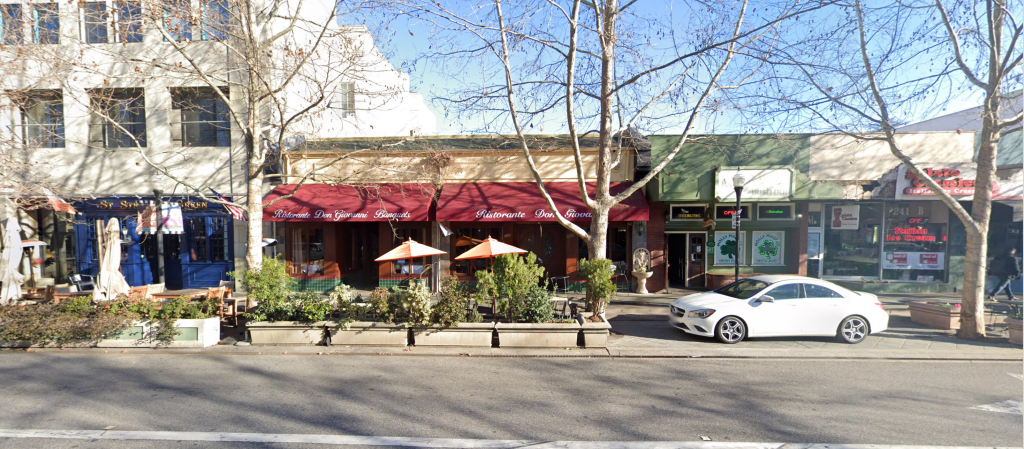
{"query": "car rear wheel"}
[(853, 329), (730, 329)]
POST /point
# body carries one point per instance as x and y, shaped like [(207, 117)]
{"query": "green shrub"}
[(61, 324), (600, 288), (271, 287), (381, 305), (450, 309), (515, 290), (413, 304)]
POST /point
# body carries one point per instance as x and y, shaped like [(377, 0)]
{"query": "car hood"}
[(703, 300)]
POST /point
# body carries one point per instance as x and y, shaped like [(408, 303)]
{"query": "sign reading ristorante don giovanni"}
[(326, 203)]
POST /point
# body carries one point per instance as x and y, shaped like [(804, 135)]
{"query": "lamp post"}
[(737, 185)]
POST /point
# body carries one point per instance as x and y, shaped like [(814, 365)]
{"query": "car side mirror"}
[(766, 298)]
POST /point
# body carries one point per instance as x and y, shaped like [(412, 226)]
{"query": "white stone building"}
[(108, 101)]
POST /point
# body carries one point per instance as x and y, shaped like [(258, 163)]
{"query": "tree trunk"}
[(254, 208), (596, 249)]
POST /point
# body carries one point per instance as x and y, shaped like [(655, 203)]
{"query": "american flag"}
[(236, 211)]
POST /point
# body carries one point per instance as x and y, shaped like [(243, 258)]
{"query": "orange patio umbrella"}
[(409, 250), (488, 249)]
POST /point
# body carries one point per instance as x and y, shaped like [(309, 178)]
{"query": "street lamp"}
[(737, 185)]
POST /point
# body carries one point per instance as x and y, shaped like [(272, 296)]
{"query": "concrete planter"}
[(191, 334), (369, 333), (287, 332), (1016, 328), (462, 334), (595, 335), (933, 315), (538, 335)]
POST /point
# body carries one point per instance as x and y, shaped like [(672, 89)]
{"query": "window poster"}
[(814, 245), (725, 248), (845, 217), (768, 248)]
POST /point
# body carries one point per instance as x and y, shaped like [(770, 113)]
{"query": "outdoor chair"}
[(140, 291), (232, 307), (84, 282)]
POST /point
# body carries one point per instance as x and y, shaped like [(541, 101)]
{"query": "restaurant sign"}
[(726, 250), (687, 212), (338, 215), (958, 180)]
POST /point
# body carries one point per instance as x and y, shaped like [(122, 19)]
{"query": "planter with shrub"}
[(369, 324), (524, 305), (451, 322), (124, 322), (283, 317), (1015, 326)]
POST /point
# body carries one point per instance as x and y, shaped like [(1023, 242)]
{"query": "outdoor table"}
[(168, 295)]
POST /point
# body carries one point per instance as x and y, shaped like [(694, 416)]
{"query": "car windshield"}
[(742, 289)]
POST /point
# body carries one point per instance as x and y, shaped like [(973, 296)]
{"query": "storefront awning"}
[(369, 202), (522, 201)]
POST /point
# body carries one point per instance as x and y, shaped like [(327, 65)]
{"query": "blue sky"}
[(405, 39)]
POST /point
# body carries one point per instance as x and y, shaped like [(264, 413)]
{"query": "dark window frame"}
[(12, 24), (46, 131), (203, 116), (127, 107), (49, 35)]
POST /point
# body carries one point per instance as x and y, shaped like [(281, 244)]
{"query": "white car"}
[(780, 305)]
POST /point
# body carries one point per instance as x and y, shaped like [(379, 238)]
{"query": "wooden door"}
[(696, 248), (547, 242)]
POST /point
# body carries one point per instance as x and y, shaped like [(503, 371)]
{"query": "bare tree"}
[(870, 69), (596, 67)]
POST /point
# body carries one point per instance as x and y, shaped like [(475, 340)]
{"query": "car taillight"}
[(880, 306)]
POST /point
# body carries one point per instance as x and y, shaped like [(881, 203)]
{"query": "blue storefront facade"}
[(201, 256)]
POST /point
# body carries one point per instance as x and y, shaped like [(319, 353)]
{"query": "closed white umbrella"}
[(10, 258), (110, 282)]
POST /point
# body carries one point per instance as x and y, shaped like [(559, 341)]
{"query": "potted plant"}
[(939, 315), (283, 317), (451, 322), (179, 323), (525, 305), (1015, 325), (373, 323)]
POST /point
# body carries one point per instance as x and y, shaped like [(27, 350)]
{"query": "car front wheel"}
[(853, 329), (730, 330)]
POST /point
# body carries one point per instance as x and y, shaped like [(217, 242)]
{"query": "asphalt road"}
[(728, 400)]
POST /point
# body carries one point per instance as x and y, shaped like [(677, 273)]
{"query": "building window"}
[(45, 24), (119, 118), (208, 239), (464, 239), (42, 115), (406, 266), (11, 24), (853, 252), (128, 22), (204, 118), (216, 19), (198, 245), (345, 100), (178, 20), (307, 251), (94, 22), (914, 248)]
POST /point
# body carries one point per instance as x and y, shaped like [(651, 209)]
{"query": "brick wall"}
[(656, 245)]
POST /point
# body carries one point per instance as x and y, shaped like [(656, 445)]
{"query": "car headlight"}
[(701, 313)]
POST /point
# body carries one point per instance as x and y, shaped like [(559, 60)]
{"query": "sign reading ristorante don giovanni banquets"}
[(522, 201), (326, 203)]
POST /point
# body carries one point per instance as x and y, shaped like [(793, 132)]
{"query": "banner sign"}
[(768, 248), (909, 260), (845, 217), (760, 184), (687, 212), (725, 248), (957, 179)]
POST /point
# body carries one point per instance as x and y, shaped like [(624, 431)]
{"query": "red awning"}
[(370, 202), (522, 201)]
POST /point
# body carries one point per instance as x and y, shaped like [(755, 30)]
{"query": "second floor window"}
[(215, 20), (178, 19), (112, 21), (203, 118), (345, 100), (11, 24), (45, 24), (119, 118), (42, 117)]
